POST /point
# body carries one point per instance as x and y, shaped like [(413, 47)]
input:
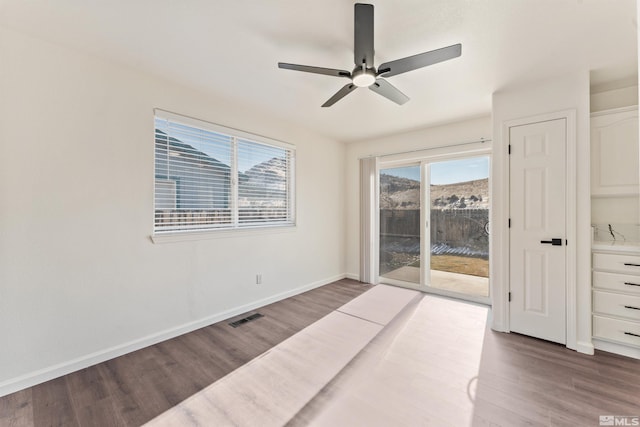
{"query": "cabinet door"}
[(614, 153)]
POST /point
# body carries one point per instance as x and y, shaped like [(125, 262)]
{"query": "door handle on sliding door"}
[(554, 242)]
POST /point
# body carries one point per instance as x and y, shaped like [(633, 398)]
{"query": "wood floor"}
[(132, 389), (435, 364), (439, 364), (271, 389), (524, 381)]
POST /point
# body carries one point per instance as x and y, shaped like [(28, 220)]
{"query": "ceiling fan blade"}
[(346, 90), (420, 60), (316, 70), (389, 91), (363, 34)]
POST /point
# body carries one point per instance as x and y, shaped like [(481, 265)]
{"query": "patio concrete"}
[(455, 282)]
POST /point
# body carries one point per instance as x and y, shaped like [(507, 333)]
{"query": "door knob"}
[(554, 242)]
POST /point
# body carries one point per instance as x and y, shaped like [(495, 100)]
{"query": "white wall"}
[(601, 100), (453, 133), (553, 95), (80, 279), (615, 210)]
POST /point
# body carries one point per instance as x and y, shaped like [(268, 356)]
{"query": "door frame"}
[(501, 214), (433, 155), (426, 170), (398, 163)]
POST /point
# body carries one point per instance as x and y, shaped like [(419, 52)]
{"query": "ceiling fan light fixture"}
[(366, 74), (363, 78)]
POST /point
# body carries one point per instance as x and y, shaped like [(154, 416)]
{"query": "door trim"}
[(376, 211), (501, 214), (410, 159)]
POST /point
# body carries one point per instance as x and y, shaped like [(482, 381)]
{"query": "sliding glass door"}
[(400, 231), (434, 226), (459, 226)]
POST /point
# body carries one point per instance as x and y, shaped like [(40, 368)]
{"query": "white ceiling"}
[(231, 49)]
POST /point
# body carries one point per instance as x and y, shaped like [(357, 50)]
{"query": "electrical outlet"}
[(258, 279)]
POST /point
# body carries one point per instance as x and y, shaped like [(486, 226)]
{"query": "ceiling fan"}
[(365, 74)]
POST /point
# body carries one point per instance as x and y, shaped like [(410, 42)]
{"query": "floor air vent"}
[(246, 319)]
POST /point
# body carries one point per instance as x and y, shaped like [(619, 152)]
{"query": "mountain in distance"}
[(404, 193), (461, 195), (266, 180), (399, 193)]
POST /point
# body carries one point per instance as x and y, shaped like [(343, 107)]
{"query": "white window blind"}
[(263, 183), (211, 177)]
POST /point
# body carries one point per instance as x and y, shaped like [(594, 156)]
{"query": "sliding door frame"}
[(424, 159), (391, 165)]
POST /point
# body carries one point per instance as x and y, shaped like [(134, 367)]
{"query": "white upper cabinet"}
[(614, 152)]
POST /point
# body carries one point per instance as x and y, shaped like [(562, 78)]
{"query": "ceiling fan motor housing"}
[(363, 77), (365, 73)]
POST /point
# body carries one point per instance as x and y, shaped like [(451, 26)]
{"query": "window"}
[(211, 177)]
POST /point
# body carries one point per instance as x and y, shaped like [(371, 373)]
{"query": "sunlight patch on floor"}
[(272, 388), (420, 370)]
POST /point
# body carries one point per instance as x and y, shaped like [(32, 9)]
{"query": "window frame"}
[(235, 227)]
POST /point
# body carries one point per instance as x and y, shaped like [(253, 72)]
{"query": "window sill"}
[(186, 236)]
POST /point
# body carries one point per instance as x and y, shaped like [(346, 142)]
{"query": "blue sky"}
[(449, 171)]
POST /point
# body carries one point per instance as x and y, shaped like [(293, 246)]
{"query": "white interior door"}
[(538, 229)]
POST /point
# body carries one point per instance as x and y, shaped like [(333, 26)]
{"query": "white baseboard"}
[(42, 375), (352, 276), (497, 326), (585, 347), (612, 347)]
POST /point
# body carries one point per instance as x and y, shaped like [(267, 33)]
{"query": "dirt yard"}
[(459, 264)]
